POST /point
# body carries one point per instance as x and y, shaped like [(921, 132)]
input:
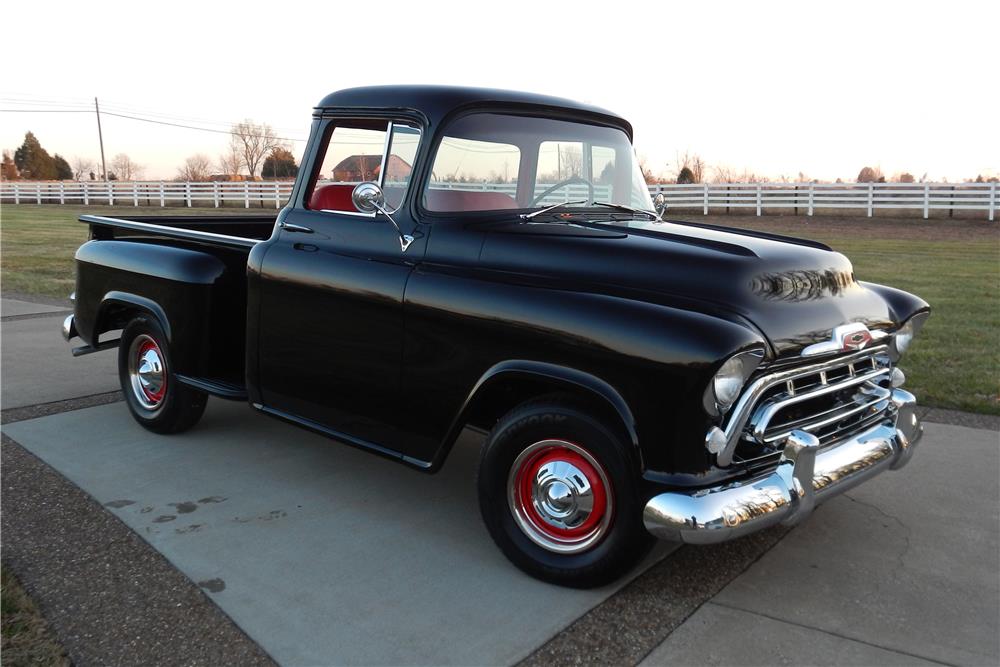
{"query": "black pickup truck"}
[(456, 257)]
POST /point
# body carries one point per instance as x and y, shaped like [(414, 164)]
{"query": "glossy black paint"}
[(397, 352)]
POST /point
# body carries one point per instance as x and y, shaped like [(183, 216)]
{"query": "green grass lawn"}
[(39, 242), (953, 264)]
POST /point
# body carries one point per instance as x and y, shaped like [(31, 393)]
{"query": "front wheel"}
[(154, 396), (559, 495)]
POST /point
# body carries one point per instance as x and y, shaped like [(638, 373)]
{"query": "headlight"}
[(904, 335), (728, 381)]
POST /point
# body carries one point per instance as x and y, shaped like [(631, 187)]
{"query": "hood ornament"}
[(845, 338)]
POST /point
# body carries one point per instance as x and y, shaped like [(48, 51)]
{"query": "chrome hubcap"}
[(147, 372), (560, 497)]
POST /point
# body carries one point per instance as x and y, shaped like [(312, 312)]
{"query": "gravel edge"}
[(11, 415), (626, 627), (109, 597)]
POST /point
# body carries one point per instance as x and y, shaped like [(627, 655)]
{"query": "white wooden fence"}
[(147, 193), (807, 197)]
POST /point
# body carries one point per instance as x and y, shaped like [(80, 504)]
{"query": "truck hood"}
[(794, 291)]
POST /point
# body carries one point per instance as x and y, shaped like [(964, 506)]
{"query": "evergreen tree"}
[(279, 164), (64, 172), (33, 161)]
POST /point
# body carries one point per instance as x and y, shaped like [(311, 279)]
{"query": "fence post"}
[(187, 193), (111, 194), (62, 193), (86, 193), (38, 193), (135, 194), (927, 199), (17, 193), (215, 193), (162, 198), (993, 199), (277, 196), (246, 194), (705, 198), (811, 191), (871, 198), (758, 200)]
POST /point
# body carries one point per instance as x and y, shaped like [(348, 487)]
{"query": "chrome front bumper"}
[(806, 474)]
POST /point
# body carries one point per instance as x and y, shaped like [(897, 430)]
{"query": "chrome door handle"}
[(289, 227)]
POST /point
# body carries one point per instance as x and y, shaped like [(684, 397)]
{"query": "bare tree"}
[(871, 175), (694, 164), (905, 177), (254, 142), (125, 168), (724, 174), (81, 167), (195, 168), (231, 161)]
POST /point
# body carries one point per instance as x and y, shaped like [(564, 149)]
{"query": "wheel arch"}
[(115, 306), (510, 383)]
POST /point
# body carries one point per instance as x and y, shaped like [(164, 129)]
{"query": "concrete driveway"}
[(38, 366), (326, 555), (321, 553)]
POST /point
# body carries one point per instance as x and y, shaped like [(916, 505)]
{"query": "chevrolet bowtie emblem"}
[(845, 338)]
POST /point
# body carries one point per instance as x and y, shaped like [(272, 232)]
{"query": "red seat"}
[(333, 198), (468, 200)]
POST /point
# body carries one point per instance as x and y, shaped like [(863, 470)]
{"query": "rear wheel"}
[(153, 395), (559, 494)]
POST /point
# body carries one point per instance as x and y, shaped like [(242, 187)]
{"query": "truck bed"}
[(194, 268), (233, 231)]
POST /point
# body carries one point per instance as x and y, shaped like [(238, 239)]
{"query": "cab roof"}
[(436, 102)]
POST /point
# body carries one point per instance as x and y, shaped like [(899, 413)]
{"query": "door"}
[(331, 290)]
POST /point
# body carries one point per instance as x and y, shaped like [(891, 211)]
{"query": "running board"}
[(90, 349), (220, 388)]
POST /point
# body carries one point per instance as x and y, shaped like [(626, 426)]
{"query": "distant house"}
[(359, 168)]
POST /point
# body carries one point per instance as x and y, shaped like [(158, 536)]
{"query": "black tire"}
[(615, 548), (178, 407)]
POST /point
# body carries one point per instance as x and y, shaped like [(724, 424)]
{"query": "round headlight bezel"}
[(904, 335), (727, 383)]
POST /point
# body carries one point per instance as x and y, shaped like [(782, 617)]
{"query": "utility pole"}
[(100, 136)]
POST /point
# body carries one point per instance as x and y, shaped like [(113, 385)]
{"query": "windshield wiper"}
[(529, 216), (622, 207)]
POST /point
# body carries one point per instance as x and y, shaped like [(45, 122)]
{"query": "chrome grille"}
[(832, 400)]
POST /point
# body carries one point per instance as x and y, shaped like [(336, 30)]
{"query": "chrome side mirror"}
[(367, 197), (660, 204)]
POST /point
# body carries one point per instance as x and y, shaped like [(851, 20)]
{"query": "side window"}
[(558, 162), (603, 167), (364, 150)]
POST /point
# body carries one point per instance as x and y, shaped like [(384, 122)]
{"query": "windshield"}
[(490, 162)]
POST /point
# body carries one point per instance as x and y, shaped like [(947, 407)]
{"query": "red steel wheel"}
[(147, 372), (560, 496)]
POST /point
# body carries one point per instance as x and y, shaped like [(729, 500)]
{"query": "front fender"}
[(902, 305), (540, 373)]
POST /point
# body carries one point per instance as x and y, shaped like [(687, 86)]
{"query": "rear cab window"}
[(359, 150)]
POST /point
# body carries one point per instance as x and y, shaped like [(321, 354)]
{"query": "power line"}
[(125, 108), (189, 127), (138, 118)]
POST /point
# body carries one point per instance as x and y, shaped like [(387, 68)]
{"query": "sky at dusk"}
[(777, 88)]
